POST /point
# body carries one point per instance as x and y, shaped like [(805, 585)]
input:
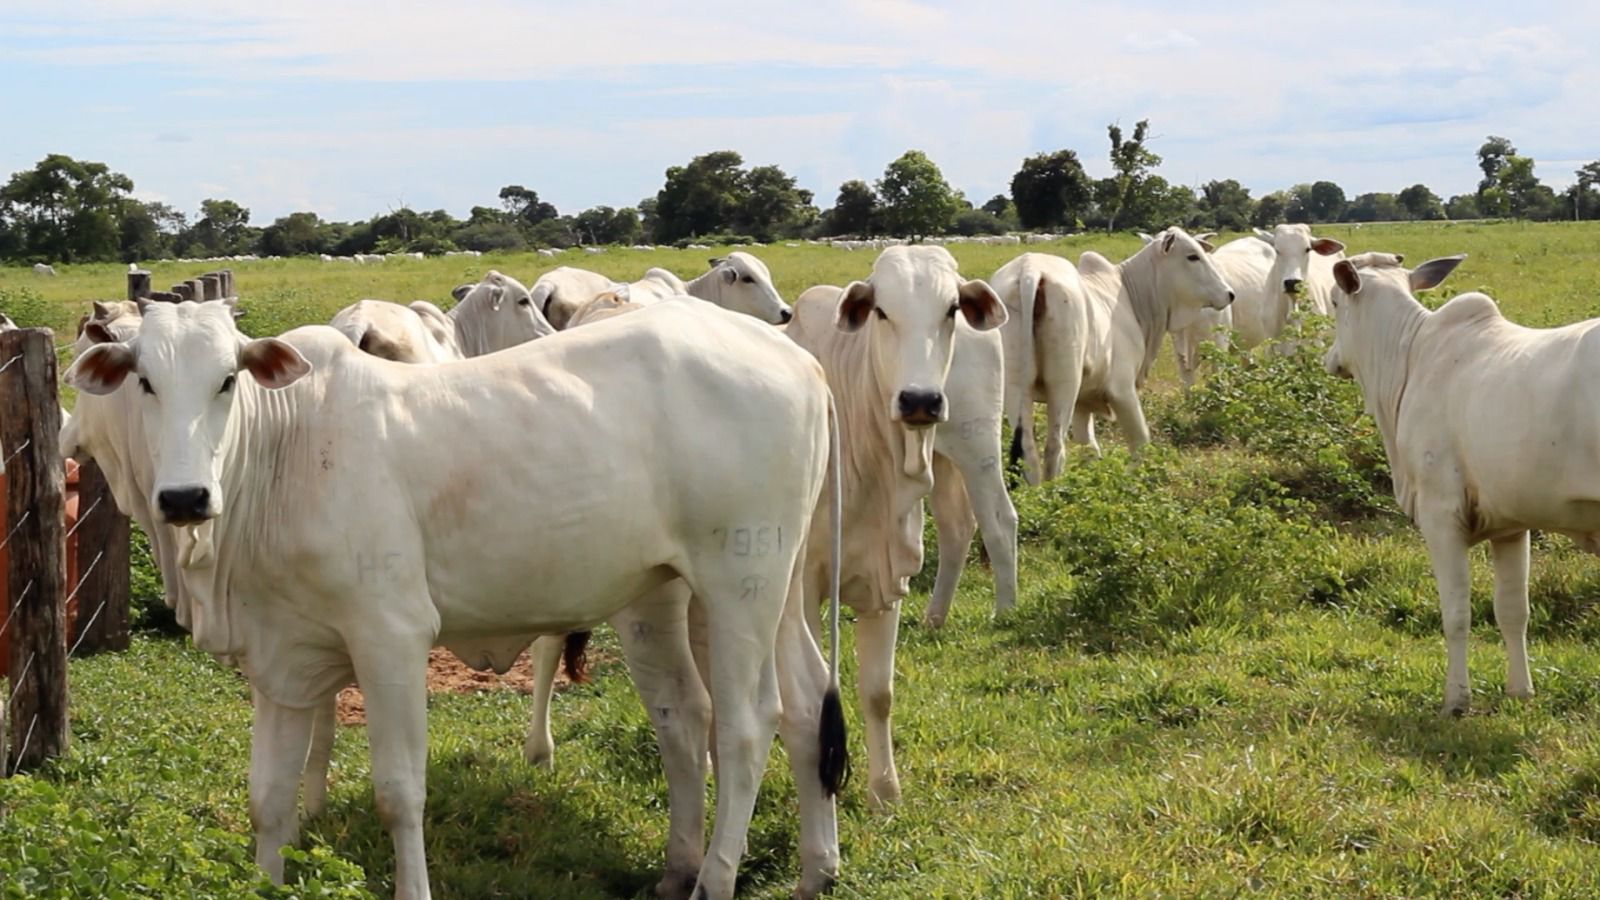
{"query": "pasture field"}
[(1223, 676)]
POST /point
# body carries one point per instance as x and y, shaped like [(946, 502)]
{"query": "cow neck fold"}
[(1142, 289), (707, 286), (1382, 368), (472, 317)]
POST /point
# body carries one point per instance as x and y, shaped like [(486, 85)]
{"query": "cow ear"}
[(855, 306), (1205, 236), (102, 368), (1264, 235), (274, 363), (1206, 245), (144, 304), (497, 296), (729, 276), (461, 291), (102, 310), (1326, 246), (97, 333), (1167, 241), (1146, 238), (717, 261), (981, 305), (1346, 276), (1430, 273)]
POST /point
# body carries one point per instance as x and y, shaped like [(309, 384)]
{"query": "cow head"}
[(1368, 290), (744, 285), (1294, 245), (907, 309), (502, 310), (187, 358), (1187, 276)]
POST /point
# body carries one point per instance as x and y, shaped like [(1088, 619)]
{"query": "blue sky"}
[(353, 108)]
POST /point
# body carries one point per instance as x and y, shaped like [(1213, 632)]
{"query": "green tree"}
[(1132, 161), (1524, 196), (524, 205), (64, 210), (1051, 190), (917, 201), (1492, 156), (1462, 206), (604, 225), (855, 209), (998, 205), (294, 235), (773, 205), (223, 229), (1584, 199), (149, 230), (1421, 203), (700, 198), (1271, 210), (1326, 202), (1227, 205), (1376, 207)]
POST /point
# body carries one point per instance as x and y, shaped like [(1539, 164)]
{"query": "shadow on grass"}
[(1472, 747), (495, 829)]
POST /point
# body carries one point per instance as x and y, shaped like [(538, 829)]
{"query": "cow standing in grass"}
[(1490, 431)]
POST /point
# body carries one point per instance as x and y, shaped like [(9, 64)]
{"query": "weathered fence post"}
[(213, 285), (35, 506), (185, 291), (227, 283), (103, 588), (138, 284)]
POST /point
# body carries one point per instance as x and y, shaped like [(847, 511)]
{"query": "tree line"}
[(67, 210)]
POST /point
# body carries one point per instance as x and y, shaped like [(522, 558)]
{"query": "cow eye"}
[(144, 385), (748, 280), (951, 314), (227, 385), (525, 301), (1194, 257), (880, 312)]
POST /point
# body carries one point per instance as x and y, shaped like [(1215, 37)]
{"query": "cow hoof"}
[(882, 798), (676, 885), (812, 887), (540, 758), (1453, 710), (933, 623), (1520, 693)]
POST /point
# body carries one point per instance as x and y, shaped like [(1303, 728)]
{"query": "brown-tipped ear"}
[(717, 261), (1326, 246), (1206, 245), (1204, 236), (1430, 273), (102, 368), (274, 363), (144, 304), (97, 333), (1346, 276), (102, 310), (461, 291), (855, 306), (1167, 242), (981, 305)]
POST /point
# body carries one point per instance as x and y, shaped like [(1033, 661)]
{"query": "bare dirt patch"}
[(448, 675)]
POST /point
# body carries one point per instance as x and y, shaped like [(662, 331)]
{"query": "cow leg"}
[(1130, 415), (1185, 348), (700, 645), (540, 747), (1058, 415), (802, 680), (997, 521), (279, 738), (1452, 570), (655, 640), (1083, 429), (952, 517), (1511, 610), (1030, 446), (742, 614), (314, 783), (392, 672), (875, 637)]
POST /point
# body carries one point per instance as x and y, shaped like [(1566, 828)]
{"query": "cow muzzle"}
[(920, 408), (184, 505), (1292, 285)]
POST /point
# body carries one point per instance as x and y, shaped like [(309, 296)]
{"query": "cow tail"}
[(575, 656), (1030, 288), (834, 759)]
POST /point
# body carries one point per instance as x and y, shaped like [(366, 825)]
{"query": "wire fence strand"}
[(14, 606), (10, 361), (25, 445), (83, 516), (25, 514)]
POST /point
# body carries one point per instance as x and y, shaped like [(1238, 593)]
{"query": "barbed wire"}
[(84, 516), (25, 445), (15, 605), (12, 533), (10, 361)]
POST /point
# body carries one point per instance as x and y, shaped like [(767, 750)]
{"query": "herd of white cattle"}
[(709, 468)]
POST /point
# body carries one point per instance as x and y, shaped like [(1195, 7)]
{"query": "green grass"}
[(1222, 678)]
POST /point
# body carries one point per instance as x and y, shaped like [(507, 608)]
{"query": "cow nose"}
[(920, 408), (1230, 296), (184, 506), (1291, 285), (784, 315)]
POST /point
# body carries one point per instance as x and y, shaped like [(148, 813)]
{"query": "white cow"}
[(1245, 264), (44, 269), (559, 292), (496, 313), (110, 430), (738, 282), (1302, 274), (887, 344), (331, 532), (1082, 340), (1489, 432)]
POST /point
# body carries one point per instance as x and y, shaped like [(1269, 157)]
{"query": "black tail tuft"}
[(834, 761), (1016, 444), (575, 656)]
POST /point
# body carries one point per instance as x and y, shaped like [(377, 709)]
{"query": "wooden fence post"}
[(35, 506), (103, 547), (138, 284)]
